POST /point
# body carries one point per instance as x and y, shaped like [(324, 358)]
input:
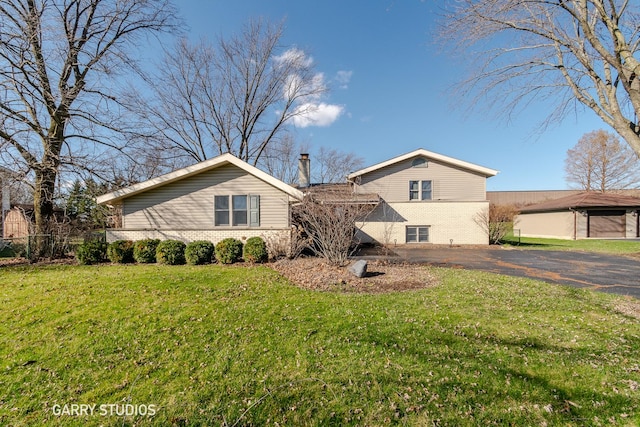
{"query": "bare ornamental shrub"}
[(289, 245), (329, 219), (496, 221)]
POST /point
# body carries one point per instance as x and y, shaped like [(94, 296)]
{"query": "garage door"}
[(607, 223)]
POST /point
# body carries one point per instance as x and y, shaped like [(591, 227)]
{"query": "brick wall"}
[(446, 221), (190, 235)]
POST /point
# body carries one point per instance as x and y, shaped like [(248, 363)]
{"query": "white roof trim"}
[(431, 155), (179, 174)]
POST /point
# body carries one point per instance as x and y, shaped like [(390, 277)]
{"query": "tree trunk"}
[(43, 195)]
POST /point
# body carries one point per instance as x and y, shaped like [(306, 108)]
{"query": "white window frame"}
[(216, 211), (420, 232), (418, 192), (251, 210)]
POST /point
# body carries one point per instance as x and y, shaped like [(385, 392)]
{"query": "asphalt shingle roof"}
[(587, 199)]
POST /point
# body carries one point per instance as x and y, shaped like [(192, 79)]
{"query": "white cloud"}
[(295, 56), (343, 78), (310, 111), (317, 114)]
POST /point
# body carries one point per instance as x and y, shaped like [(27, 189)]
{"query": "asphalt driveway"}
[(606, 273)]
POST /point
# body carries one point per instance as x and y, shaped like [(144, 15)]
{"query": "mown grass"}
[(613, 246), (233, 345)]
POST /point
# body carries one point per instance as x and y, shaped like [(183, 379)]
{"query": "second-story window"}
[(420, 190)]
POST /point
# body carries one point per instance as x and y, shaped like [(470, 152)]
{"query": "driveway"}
[(606, 273)]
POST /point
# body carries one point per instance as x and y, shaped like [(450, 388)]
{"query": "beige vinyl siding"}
[(449, 182), (559, 225), (188, 203)]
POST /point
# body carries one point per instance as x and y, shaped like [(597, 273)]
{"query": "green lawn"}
[(619, 246), (235, 345)]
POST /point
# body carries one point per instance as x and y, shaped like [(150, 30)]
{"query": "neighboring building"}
[(425, 198), (529, 197), (212, 200), (18, 222), (581, 215), (524, 198)]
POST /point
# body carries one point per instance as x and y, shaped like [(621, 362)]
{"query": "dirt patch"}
[(4, 262), (13, 262), (316, 274), (629, 307)]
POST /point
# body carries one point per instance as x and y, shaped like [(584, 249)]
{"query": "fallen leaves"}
[(316, 274)]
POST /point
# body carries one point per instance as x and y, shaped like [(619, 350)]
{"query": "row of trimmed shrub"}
[(173, 252)]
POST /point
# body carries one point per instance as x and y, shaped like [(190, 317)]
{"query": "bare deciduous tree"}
[(600, 162), (236, 97), (571, 51), (280, 159), (58, 60), (328, 165), (334, 165)]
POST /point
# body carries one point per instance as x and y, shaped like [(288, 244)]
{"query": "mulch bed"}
[(316, 274)]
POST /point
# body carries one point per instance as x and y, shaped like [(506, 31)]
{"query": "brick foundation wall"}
[(446, 221), (190, 235)]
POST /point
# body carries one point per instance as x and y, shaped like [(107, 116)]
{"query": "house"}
[(212, 200), (425, 198), (419, 197), (581, 215)]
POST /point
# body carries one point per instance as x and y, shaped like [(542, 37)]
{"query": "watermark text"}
[(104, 410)]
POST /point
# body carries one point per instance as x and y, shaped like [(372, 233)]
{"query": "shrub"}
[(282, 245), (120, 251), (144, 251), (170, 252), (20, 249), (228, 250), (255, 250), (199, 252), (91, 252)]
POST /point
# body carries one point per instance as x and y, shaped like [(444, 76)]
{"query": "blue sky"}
[(392, 84)]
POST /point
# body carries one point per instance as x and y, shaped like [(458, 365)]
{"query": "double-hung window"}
[(238, 210), (221, 210), (420, 190), (417, 234)]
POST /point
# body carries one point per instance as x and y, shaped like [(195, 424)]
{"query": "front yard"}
[(239, 345)]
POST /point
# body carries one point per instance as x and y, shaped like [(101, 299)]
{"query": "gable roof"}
[(586, 199), (431, 155), (207, 165)]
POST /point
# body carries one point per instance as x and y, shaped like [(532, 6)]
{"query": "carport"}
[(584, 215)]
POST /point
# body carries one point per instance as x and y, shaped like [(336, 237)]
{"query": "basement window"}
[(417, 234)]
